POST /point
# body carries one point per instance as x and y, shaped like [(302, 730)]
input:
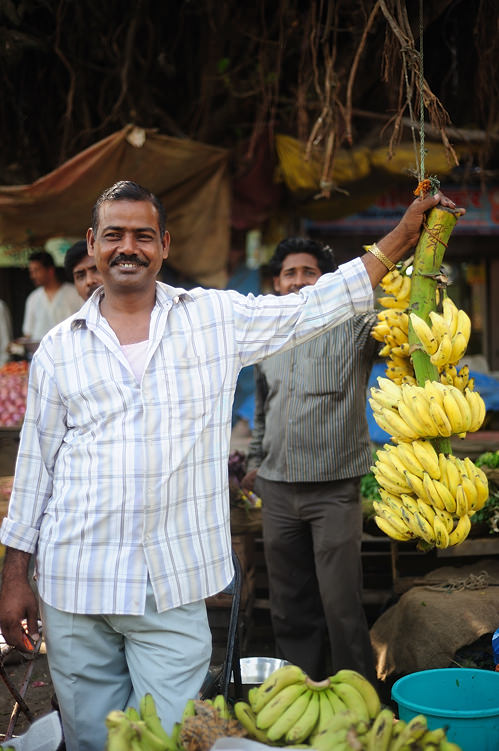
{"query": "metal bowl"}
[(254, 670)]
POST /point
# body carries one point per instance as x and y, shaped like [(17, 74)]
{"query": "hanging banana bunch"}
[(427, 494)]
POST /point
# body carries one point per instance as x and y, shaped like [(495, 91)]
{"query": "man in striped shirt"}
[(121, 483), (310, 446)]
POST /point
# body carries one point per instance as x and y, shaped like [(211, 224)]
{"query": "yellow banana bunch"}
[(398, 289), (446, 338), (431, 411), (425, 495)]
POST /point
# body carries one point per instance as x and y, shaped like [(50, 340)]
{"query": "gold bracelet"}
[(380, 256)]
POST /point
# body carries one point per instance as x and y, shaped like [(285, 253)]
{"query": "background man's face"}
[(86, 277), (298, 270), (39, 274)]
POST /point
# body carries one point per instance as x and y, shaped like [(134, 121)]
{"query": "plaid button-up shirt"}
[(117, 479)]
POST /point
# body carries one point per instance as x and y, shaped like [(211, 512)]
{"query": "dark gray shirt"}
[(310, 409)]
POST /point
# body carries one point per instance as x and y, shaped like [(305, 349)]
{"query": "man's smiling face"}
[(127, 245)]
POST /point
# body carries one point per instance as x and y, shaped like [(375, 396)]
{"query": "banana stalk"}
[(425, 280)]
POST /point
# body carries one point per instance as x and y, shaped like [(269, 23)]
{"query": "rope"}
[(472, 581), (421, 97)]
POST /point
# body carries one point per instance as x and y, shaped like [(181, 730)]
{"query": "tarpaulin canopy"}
[(190, 178)]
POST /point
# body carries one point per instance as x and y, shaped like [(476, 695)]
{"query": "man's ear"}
[(277, 284), (90, 241)]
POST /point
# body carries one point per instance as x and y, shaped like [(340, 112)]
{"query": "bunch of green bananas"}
[(134, 730), (388, 734), (427, 495), (445, 340), (289, 708), (409, 412)]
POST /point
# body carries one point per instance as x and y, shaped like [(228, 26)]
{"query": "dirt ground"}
[(38, 694)]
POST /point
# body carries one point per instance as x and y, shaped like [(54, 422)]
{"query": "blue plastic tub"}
[(463, 700)]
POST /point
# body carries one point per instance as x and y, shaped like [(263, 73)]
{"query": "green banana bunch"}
[(343, 731), (127, 733)]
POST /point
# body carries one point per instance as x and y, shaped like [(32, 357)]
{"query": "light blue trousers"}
[(100, 663)]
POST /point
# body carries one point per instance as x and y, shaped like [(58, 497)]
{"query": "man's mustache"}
[(128, 259)]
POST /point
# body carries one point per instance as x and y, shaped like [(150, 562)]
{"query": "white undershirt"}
[(136, 356)]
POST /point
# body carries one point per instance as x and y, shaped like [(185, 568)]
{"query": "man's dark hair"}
[(323, 253), (43, 258), (73, 256), (127, 190)]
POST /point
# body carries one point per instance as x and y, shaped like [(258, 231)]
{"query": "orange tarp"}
[(190, 178)]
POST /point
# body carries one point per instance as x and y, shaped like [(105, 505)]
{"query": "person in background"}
[(310, 446), (81, 269), (121, 484), (51, 302), (5, 332)]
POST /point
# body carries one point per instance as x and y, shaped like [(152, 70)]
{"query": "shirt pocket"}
[(321, 377)]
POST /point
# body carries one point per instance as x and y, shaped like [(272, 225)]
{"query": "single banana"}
[(447, 519), (457, 419), (425, 529), (189, 710), (353, 699), (438, 325), (463, 405), (306, 723), (391, 517), (407, 457), (411, 417), (427, 512), (434, 389), (427, 457), (424, 334), (450, 311), (462, 378), (148, 713), (413, 730), (393, 302), (443, 353), (432, 738), (390, 531), (459, 344), (383, 398), (409, 503), (337, 704), (440, 418), (398, 428), (478, 409), (363, 686), (445, 494), (460, 531), (385, 384), (418, 487), (287, 719), (252, 692), (326, 711), (279, 679), (463, 324), (149, 741), (471, 493), (461, 502), (441, 532), (380, 733), (453, 476), (221, 705), (432, 496), (132, 713), (386, 467), (245, 715), (266, 716)]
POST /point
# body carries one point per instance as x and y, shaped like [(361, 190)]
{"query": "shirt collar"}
[(89, 313)]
